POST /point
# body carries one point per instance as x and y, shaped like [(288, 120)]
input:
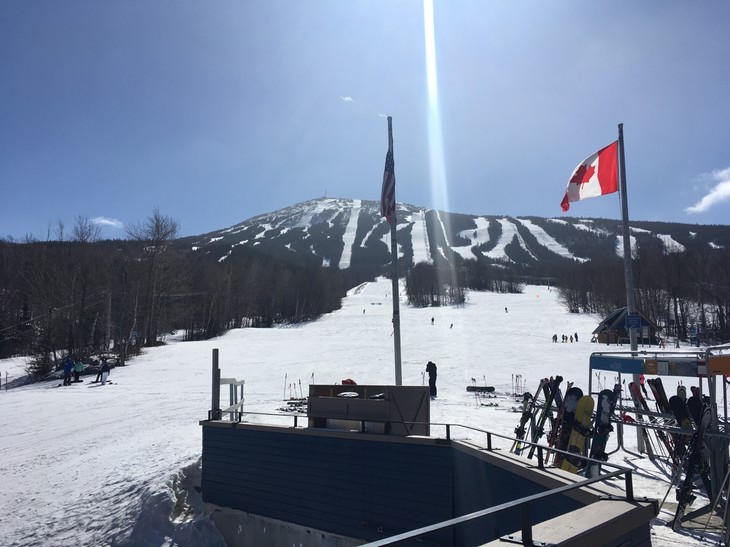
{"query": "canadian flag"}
[(596, 175)]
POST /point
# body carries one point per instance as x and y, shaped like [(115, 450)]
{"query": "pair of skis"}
[(535, 415)]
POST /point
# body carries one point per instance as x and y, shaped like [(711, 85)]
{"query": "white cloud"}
[(347, 99), (718, 193), (111, 222)]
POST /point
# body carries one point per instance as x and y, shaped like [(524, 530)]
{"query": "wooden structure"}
[(393, 410), (613, 330)]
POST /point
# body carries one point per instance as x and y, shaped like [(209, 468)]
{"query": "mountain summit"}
[(348, 233)]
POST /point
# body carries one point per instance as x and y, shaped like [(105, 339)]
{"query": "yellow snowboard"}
[(581, 431)]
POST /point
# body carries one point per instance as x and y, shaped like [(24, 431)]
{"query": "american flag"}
[(387, 199)]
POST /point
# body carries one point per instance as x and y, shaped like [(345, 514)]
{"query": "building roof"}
[(616, 321)]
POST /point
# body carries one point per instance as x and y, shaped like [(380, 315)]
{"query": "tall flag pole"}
[(628, 267), (387, 205)]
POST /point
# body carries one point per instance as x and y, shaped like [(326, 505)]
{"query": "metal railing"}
[(523, 503)]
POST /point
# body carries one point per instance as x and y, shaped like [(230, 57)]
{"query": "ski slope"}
[(91, 465)]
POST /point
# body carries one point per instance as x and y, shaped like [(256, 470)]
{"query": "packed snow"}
[(117, 465), (548, 241)]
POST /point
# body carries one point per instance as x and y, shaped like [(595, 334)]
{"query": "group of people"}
[(572, 337), (71, 366), (77, 367)]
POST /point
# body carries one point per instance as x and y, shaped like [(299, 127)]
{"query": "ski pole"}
[(284, 397)]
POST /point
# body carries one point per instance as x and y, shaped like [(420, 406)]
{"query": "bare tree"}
[(60, 226), (157, 231), (85, 230)]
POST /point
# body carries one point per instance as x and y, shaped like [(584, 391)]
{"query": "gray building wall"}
[(359, 485)]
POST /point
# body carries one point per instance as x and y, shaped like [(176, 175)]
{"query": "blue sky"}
[(218, 111)]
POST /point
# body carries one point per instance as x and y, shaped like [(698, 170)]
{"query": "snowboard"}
[(565, 426), (681, 414), (602, 428), (694, 404), (698, 405), (480, 389), (580, 432)]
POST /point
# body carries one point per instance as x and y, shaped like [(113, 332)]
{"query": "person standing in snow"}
[(431, 369), (78, 369), (104, 371), (68, 366)]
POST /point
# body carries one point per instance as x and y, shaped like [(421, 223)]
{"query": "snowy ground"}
[(112, 465)]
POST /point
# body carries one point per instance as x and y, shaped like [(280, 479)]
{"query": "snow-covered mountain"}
[(347, 233)]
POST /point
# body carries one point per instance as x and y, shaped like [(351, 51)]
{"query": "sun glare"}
[(439, 194)]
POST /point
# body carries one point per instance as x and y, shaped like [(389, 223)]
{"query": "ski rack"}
[(699, 364), (708, 364)]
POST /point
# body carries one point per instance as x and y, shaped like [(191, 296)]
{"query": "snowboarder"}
[(431, 369), (68, 366), (78, 369), (104, 372)]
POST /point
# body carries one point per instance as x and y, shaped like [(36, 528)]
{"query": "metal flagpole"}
[(396, 290), (628, 269), (628, 263)]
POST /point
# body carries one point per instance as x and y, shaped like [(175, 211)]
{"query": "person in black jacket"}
[(431, 369), (104, 371)]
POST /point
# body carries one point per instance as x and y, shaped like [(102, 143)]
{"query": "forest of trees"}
[(76, 294), (683, 293), (85, 297)]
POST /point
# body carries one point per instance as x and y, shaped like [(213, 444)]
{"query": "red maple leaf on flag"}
[(583, 174)]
